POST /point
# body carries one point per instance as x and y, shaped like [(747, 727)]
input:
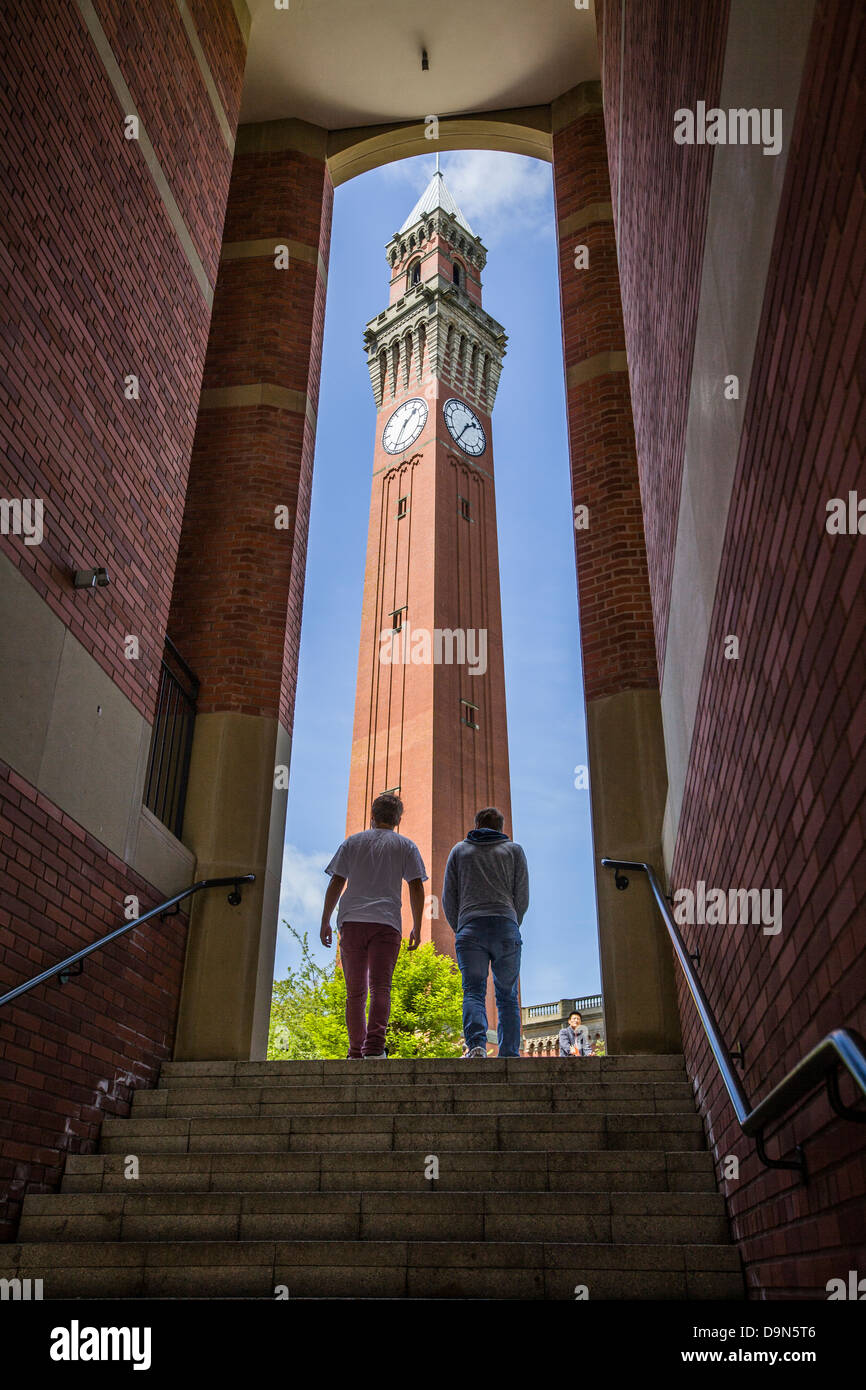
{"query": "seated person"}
[(574, 1038)]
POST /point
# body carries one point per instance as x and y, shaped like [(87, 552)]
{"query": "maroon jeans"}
[(369, 953)]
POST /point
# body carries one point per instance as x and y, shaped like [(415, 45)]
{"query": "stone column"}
[(236, 611), (628, 777)]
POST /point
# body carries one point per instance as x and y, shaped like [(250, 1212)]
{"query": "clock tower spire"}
[(430, 703)]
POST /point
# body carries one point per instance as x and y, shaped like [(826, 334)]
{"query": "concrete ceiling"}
[(341, 63)]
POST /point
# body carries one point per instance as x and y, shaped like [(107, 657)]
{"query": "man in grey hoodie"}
[(484, 897)]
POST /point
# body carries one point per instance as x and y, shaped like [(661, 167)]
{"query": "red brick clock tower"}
[(430, 702)]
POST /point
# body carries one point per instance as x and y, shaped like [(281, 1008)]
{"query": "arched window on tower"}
[(449, 348), (407, 357), (414, 273), (458, 273), (422, 343), (383, 375)]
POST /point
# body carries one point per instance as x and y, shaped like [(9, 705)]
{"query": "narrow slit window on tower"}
[(402, 507), (458, 279), (397, 619), (464, 508), (415, 274), (469, 714)]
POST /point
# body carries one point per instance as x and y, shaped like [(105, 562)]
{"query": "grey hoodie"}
[(486, 876)]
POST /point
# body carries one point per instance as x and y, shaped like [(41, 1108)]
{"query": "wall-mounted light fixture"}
[(91, 579), (425, 61)]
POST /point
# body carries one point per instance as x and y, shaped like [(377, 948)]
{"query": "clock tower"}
[(430, 702)]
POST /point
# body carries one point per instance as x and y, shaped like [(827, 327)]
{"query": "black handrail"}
[(843, 1047), (62, 968)]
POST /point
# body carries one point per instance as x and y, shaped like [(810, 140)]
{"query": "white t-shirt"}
[(375, 863)]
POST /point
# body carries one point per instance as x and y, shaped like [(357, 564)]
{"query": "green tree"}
[(308, 1010), (297, 1000)]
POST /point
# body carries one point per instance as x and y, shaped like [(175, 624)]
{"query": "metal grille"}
[(171, 740)]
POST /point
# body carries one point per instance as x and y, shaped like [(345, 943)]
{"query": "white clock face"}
[(405, 425), (465, 427)]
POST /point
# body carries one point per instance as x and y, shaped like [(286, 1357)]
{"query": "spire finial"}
[(437, 161)]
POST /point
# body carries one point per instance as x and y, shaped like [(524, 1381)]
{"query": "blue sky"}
[(508, 201)]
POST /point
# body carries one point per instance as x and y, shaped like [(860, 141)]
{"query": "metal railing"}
[(65, 969), (582, 1005), (171, 740), (842, 1047)]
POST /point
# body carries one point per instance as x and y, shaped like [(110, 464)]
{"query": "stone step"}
[(374, 1133), (424, 1071), (463, 1098), (601, 1170), (355, 1075), (376, 1269), (552, 1174), (631, 1218)]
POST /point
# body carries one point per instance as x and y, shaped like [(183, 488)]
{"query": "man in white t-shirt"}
[(371, 866)]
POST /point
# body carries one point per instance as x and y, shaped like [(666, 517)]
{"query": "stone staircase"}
[(314, 1176)]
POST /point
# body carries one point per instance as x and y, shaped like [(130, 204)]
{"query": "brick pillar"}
[(626, 751), (236, 611)]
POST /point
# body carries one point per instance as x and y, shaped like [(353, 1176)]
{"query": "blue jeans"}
[(480, 944)]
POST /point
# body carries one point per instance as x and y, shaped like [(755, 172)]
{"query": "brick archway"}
[(239, 624), (525, 130)]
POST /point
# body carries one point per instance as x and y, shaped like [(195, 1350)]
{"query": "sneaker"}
[(375, 1056), (476, 1052)]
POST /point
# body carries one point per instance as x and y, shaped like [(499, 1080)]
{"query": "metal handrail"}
[(62, 969), (842, 1047)]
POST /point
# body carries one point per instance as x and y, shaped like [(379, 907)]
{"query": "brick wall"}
[(225, 52), (70, 1055), (94, 285), (616, 621), (776, 793), (160, 69), (671, 57), (775, 790), (239, 592)]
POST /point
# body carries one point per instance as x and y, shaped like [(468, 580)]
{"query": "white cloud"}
[(490, 186), (416, 170), (302, 890)]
